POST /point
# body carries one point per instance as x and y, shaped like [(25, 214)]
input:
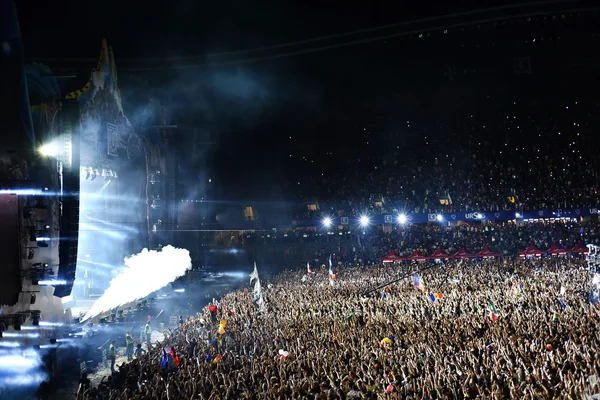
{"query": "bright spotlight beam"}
[(326, 222), (49, 150), (402, 219), (364, 221)]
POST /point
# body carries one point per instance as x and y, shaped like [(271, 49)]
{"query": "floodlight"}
[(49, 150), (364, 221), (439, 218), (402, 219), (326, 222)]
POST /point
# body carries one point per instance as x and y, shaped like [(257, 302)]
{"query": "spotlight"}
[(439, 218), (49, 150), (518, 215), (326, 222), (401, 219), (364, 221)]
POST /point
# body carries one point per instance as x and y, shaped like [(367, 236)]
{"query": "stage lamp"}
[(49, 150), (364, 221), (401, 219), (326, 222), (439, 218)]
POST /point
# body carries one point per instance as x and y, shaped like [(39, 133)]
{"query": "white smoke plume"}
[(144, 273)]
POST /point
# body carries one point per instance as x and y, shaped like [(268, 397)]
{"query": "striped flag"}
[(494, 311), (418, 283), (330, 271)]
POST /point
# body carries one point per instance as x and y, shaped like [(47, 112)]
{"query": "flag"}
[(437, 295), (258, 297), (517, 289), (562, 304), (418, 284), (562, 290), (331, 276), (432, 297), (555, 318), (493, 307), (310, 272), (383, 295), (254, 275), (493, 316)]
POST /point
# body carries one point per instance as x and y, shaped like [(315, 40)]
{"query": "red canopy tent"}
[(556, 250), (440, 254), (531, 251), (416, 256), (486, 252), (391, 257), (579, 249), (462, 253)]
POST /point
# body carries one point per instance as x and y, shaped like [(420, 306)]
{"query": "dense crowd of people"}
[(506, 238), (463, 330)]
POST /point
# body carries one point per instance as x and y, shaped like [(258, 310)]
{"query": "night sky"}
[(269, 116)]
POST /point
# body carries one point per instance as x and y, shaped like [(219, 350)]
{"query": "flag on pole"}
[(310, 272), (330, 271), (418, 283), (258, 297), (254, 275)]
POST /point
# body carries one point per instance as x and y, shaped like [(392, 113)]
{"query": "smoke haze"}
[(144, 274)]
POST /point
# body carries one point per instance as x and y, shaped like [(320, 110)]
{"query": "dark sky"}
[(322, 100), (64, 28)]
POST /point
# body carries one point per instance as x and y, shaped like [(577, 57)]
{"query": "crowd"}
[(491, 330), (496, 155), (506, 238)]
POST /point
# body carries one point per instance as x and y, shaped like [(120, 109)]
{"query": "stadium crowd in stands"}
[(506, 238), (480, 337)]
